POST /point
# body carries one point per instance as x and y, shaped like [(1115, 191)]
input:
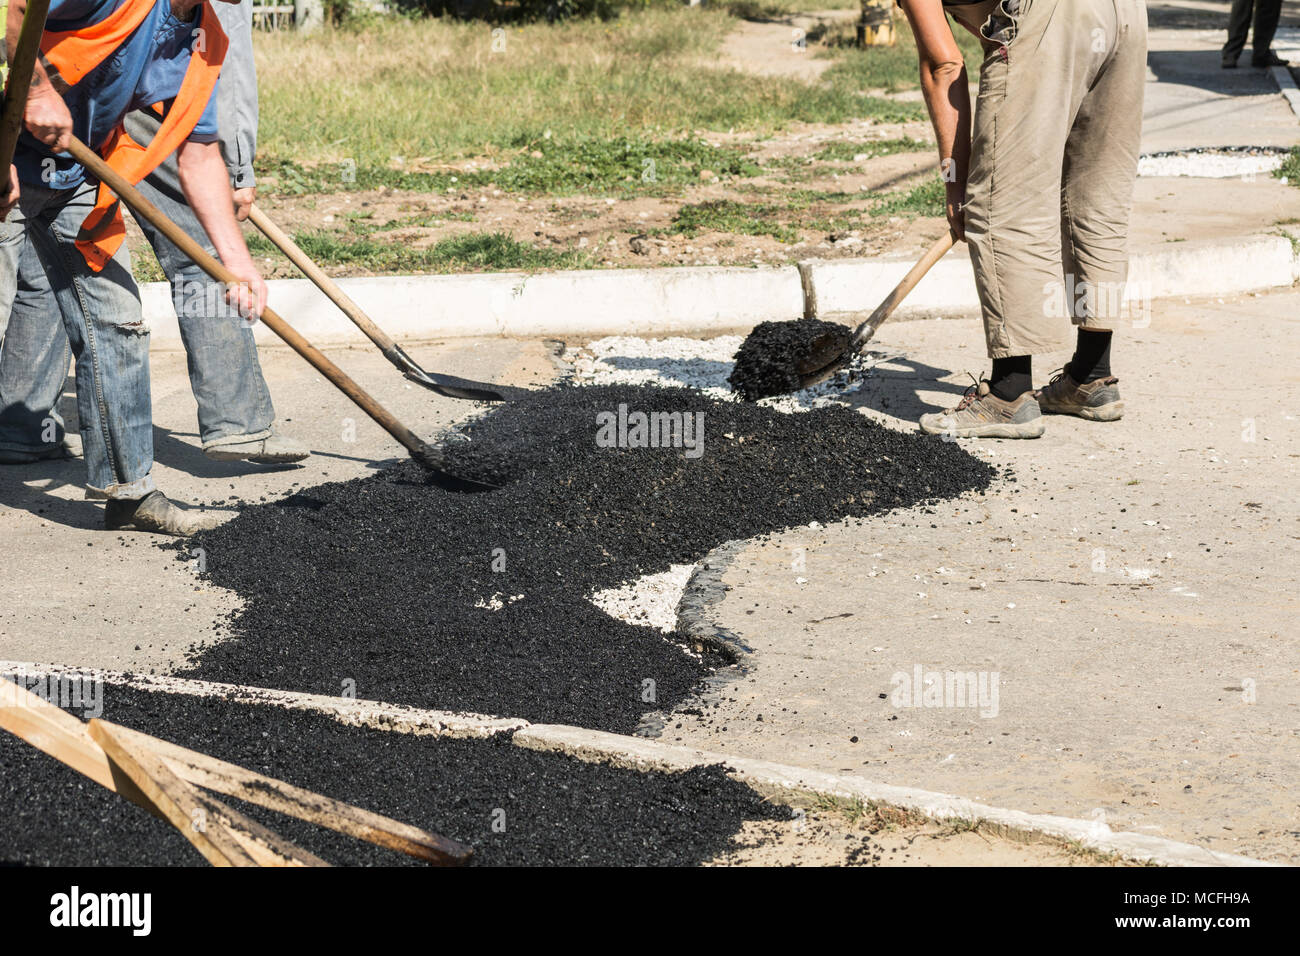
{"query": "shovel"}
[(20, 81), (829, 354), (427, 456), (448, 385)]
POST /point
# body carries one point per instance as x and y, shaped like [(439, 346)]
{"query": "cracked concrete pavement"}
[(1134, 589)]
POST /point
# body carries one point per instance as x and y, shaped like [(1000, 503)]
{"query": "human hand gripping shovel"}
[(20, 82), (427, 456)]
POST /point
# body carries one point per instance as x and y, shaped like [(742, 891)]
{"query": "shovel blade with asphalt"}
[(428, 457), (448, 385), (832, 351)]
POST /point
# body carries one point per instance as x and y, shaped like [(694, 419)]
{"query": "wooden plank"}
[(179, 802), (255, 788), (265, 847), (54, 731)]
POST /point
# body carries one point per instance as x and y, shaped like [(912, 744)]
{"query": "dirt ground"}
[(836, 839)]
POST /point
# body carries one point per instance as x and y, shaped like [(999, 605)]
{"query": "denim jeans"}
[(102, 321), (225, 375)]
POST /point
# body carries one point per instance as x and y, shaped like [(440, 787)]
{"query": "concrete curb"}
[(795, 783), (674, 301), (355, 713), (781, 781), (1282, 77)]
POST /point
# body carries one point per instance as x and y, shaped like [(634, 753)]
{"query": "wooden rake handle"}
[(864, 332), (209, 264), (20, 80), (316, 274)]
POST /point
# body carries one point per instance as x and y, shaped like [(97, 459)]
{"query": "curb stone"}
[(782, 782), (702, 299), (793, 784), (346, 710)]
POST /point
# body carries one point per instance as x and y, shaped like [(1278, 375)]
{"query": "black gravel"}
[(555, 810), (370, 586), (766, 363)]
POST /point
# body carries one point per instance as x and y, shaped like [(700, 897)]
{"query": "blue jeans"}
[(233, 400), (102, 322), (225, 375)]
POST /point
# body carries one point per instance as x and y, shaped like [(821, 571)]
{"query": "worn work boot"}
[(154, 513), (981, 414), (275, 449), (70, 447), (1097, 401)]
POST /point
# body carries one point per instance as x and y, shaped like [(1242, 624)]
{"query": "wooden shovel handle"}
[(307, 265), (20, 80), (863, 333), (209, 264)]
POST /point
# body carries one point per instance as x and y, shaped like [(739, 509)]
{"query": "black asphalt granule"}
[(513, 806), (767, 362), (385, 587)]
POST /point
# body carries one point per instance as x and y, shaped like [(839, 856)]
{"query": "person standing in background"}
[(1266, 15)]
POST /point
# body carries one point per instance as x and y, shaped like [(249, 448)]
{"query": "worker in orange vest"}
[(100, 60)]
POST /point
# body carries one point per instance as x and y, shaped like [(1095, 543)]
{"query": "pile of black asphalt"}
[(393, 588), (513, 806), (776, 355)]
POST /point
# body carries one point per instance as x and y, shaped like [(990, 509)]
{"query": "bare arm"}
[(947, 96), (206, 184), (46, 115)]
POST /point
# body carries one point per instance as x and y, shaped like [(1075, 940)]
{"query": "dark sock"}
[(1011, 377), (1091, 356)]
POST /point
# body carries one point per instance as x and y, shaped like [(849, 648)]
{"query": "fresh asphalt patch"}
[(392, 588), (514, 806)]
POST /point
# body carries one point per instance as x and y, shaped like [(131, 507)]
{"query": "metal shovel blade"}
[(452, 386)]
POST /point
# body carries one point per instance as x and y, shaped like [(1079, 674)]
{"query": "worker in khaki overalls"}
[(1041, 192)]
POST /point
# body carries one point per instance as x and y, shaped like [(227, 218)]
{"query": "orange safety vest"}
[(69, 56)]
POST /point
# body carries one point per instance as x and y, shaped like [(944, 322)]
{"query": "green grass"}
[(473, 252), (893, 68), (845, 151), (742, 218), (1290, 168), (610, 95), (552, 166), (928, 199)]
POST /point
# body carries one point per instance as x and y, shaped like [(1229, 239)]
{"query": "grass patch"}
[(1290, 168), (552, 166), (473, 252), (928, 199), (848, 151), (338, 101), (890, 68), (742, 218)]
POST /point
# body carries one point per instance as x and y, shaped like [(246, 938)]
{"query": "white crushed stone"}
[(1212, 163), (497, 601), (649, 601), (700, 363), (704, 364)]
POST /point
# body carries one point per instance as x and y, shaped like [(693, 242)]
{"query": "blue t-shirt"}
[(146, 69)]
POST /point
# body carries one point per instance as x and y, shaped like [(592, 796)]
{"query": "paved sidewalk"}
[(75, 594), (1135, 589)]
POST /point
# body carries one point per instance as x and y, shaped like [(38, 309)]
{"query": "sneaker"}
[(275, 449), (1230, 64), (155, 513), (1269, 59), (69, 448), (981, 414), (1097, 401)]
